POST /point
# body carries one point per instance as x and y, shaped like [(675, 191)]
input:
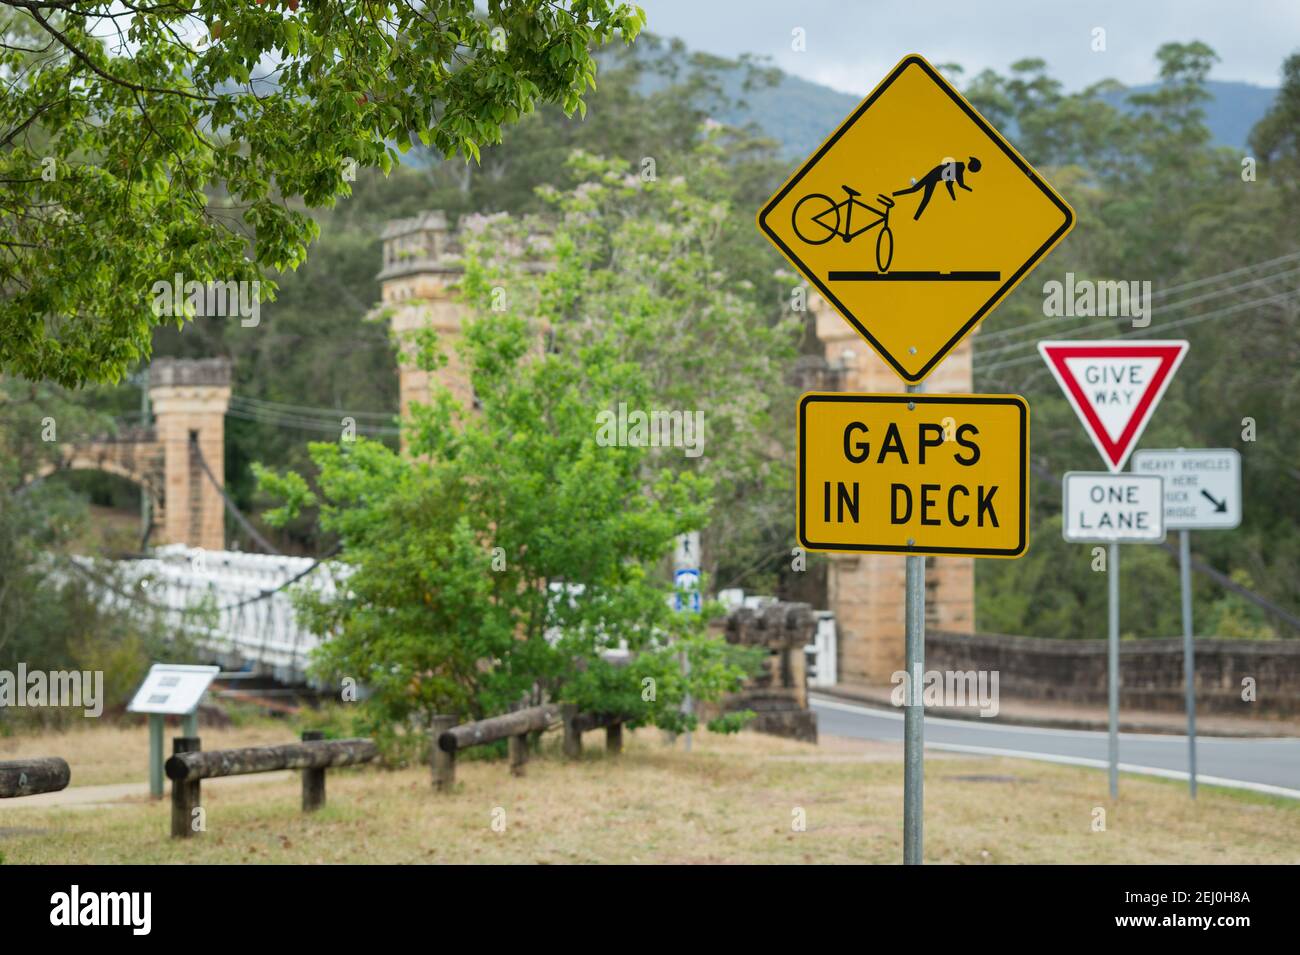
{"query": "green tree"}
[(317, 345), (635, 262), (119, 126), (518, 542), (1158, 203), (499, 567), (1275, 140)]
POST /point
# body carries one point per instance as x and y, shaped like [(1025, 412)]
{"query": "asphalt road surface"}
[(1263, 765)]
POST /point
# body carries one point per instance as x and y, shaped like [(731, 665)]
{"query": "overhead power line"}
[(1158, 294), (1101, 321), (302, 423), (1161, 329), (334, 413)]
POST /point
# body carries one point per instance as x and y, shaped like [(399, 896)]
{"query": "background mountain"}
[(799, 114), (1230, 115)]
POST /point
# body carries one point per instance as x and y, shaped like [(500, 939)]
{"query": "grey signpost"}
[(1112, 667), (686, 577), (1114, 387), (1189, 652), (887, 314), (1105, 508), (914, 708), (914, 716), (170, 689), (1202, 492)]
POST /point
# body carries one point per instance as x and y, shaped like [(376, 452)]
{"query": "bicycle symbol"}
[(817, 218)]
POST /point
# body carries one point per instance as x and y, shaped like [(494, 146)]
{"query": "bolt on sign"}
[(915, 218), (1202, 486), (914, 474), (1103, 508)]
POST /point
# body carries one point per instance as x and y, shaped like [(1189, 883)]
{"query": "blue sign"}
[(688, 579)]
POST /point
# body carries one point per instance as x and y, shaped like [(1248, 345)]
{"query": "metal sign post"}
[(686, 576), (1202, 492), (914, 711), (1114, 388), (157, 728), (1189, 652), (170, 689), (913, 474), (1104, 508), (865, 483), (1112, 666)]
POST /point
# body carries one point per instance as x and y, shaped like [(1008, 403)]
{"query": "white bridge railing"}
[(250, 621)]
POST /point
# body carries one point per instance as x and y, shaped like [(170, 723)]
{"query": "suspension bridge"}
[(234, 607)]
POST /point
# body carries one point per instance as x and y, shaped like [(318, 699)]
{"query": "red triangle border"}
[(1116, 452)]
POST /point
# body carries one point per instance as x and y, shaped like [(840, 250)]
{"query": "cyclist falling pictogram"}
[(817, 218)]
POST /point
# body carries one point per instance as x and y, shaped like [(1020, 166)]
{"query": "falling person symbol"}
[(948, 172)]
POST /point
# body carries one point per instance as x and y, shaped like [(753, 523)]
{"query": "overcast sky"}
[(851, 44)]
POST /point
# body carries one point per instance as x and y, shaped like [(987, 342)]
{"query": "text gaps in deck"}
[(914, 474)]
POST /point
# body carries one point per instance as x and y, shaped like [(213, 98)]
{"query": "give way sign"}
[(1114, 387)]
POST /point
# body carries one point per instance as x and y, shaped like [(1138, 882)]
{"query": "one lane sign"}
[(1202, 486), (1103, 508)]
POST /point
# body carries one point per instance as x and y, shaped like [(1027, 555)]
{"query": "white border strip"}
[(1265, 788), (896, 713)]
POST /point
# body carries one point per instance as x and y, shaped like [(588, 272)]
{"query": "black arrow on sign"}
[(1220, 507)]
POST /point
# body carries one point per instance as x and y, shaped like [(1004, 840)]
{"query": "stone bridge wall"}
[(1151, 671)]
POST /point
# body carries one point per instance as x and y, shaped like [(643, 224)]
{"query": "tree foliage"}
[(118, 125), (516, 545), (1158, 203)]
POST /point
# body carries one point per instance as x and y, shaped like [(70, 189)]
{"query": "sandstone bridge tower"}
[(189, 400), (420, 269), (167, 460)]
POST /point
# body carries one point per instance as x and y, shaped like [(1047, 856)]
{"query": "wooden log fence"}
[(189, 765), (449, 739), (29, 777), (441, 761), (575, 724)]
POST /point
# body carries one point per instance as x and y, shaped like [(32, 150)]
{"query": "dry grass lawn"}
[(732, 800)]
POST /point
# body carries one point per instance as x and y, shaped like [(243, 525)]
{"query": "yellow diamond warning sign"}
[(914, 474), (915, 218)]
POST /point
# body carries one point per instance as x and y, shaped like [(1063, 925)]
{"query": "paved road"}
[(1263, 765)]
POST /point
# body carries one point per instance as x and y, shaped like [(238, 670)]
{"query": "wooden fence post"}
[(572, 734), (442, 762), (614, 738), (519, 754), (186, 796), (313, 780)]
